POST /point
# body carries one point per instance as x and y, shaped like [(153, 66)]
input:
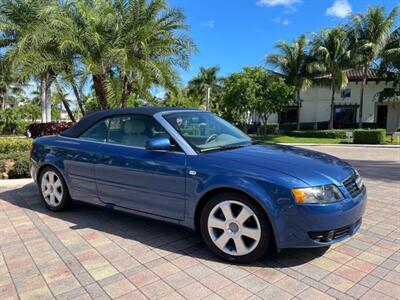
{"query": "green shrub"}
[(15, 165), (22, 127), (326, 134), (13, 145), (372, 136)]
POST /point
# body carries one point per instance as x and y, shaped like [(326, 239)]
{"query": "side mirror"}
[(158, 143)]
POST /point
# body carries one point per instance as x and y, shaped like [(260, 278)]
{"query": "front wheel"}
[(53, 189), (235, 228)]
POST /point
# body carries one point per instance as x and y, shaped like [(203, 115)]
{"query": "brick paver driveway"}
[(88, 252)]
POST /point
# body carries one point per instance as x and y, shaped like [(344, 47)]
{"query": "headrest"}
[(134, 127)]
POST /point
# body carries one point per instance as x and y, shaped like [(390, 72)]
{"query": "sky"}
[(237, 33)]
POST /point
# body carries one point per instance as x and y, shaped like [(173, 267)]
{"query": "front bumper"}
[(302, 226)]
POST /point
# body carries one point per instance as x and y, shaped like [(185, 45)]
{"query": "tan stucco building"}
[(316, 104)]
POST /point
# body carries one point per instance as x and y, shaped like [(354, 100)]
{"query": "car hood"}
[(313, 168)]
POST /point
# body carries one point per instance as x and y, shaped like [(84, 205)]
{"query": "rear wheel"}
[(235, 228), (53, 189)]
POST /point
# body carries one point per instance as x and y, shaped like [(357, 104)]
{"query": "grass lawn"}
[(301, 140)]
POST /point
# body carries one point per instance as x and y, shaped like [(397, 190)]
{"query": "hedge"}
[(40, 129), (14, 165), (372, 136), (324, 126), (14, 157), (329, 134), (18, 128), (10, 145)]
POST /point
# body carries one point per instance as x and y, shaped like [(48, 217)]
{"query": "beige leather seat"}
[(134, 133)]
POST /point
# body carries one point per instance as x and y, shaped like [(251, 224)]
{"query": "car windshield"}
[(206, 132)]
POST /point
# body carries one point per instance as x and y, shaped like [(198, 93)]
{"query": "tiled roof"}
[(357, 75)]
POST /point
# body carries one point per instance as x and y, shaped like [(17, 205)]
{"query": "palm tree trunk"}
[(363, 83), (127, 89), (298, 109), (43, 98), (332, 104), (67, 108), (48, 79), (100, 90), (77, 96), (5, 97)]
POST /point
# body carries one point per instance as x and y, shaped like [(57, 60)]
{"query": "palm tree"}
[(10, 87), (331, 54), (31, 44), (151, 43), (292, 61), (205, 83), (138, 43), (369, 34)]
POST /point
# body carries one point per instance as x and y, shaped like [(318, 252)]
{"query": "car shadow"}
[(119, 226)]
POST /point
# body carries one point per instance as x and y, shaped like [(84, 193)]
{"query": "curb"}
[(343, 145)]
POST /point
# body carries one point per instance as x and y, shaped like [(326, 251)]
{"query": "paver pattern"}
[(91, 253)]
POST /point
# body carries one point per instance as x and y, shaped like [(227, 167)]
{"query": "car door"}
[(132, 177)]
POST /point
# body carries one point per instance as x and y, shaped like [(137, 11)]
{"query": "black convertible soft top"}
[(92, 118)]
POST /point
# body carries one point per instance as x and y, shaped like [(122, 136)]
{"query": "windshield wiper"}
[(225, 147)]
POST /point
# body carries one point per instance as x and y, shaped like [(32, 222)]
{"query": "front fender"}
[(267, 195)]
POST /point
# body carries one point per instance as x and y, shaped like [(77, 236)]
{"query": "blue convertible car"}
[(193, 168)]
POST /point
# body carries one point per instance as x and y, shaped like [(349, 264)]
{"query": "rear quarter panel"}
[(74, 159)]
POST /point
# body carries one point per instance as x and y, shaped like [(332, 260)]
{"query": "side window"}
[(98, 132), (137, 130), (131, 130)]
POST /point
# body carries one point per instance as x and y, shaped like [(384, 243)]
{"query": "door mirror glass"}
[(158, 143)]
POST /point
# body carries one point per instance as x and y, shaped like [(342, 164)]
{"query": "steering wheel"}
[(211, 138)]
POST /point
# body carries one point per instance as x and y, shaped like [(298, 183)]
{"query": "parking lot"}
[(91, 253)]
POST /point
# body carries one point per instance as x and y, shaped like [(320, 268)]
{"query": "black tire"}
[(266, 232), (62, 203)]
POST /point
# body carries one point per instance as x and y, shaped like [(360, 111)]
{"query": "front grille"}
[(351, 186), (334, 234)]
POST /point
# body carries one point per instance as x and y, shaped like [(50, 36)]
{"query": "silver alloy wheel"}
[(52, 189), (234, 228)]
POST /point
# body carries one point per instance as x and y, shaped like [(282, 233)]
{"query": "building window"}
[(289, 116), (346, 93), (345, 115)]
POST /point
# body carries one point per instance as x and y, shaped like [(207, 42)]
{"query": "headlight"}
[(318, 194)]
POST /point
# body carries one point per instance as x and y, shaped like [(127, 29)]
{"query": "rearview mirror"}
[(159, 143)]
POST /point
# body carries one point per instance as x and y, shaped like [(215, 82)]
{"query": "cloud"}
[(282, 21), (339, 9), (209, 23), (286, 3)]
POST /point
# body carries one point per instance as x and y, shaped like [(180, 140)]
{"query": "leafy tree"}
[(206, 81), (331, 54), (180, 99), (255, 90), (292, 62), (369, 34)]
